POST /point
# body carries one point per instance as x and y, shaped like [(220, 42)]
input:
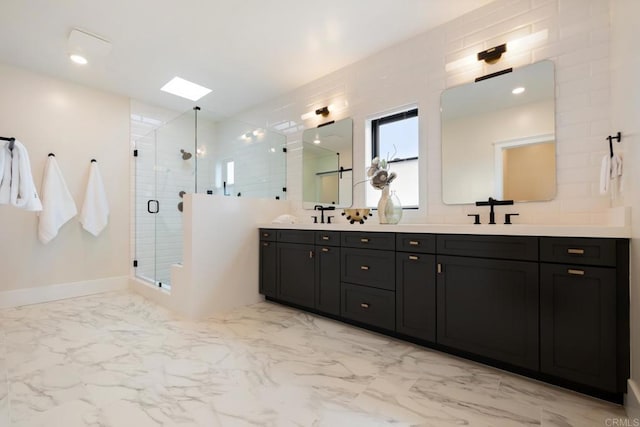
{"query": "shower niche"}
[(196, 152)]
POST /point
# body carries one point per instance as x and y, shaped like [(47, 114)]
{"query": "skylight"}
[(185, 89)]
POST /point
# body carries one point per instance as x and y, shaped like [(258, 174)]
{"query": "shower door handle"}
[(156, 206)]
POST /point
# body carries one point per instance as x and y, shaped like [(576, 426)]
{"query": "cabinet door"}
[(489, 308), (578, 324), (268, 269), (416, 295), (296, 273), (328, 279)]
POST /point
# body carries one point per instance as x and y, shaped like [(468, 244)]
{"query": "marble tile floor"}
[(116, 359)]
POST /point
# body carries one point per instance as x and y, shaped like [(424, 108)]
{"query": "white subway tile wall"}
[(414, 72)]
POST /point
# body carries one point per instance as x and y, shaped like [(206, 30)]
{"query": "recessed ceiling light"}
[(78, 59), (518, 90), (185, 89)]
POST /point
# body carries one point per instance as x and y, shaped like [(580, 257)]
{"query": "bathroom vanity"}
[(551, 307)]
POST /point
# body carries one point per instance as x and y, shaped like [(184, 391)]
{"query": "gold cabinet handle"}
[(414, 243), (265, 244), (265, 234), (364, 305), (413, 257), (439, 268), (575, 272), (364, 267), (310, 254), (575, 251), (325, 237), (364, 240), (325, 249)]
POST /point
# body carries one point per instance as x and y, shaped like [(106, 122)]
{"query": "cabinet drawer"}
[(268, 234), (523, 248), (328, 238), (369, 240), (296, 236), (374, 307), (571, 250), (421, 243), (369, 268)]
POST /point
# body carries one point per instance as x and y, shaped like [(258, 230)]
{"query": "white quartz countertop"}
[(486, 229)]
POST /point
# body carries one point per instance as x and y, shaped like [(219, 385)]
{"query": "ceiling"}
[(247, 51)]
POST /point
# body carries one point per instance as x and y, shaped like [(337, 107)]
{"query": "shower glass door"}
[(165, 171)]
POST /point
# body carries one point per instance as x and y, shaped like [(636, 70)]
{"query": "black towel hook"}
[(11, 140), (617, 137), (51, 155), (94, 161)]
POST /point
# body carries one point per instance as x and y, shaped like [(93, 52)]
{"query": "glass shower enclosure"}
[(196, 153)]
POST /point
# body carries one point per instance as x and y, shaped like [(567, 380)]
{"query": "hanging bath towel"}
[(58, 205), (95, 209), (16, 186), (5, 175)]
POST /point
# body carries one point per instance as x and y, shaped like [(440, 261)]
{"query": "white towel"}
[(5, 175), (95, 209), (17, 187), (58, 205), (610, 170)]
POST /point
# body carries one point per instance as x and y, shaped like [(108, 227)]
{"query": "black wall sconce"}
[(492, 55), (324, 111)]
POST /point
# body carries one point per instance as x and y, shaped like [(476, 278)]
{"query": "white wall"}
[(414, 72), (625, 115), (77, 124)]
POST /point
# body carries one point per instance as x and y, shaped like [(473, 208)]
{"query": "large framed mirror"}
[(498, 137), (327, 169)]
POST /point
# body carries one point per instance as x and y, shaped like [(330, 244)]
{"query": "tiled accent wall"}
[(414, 72)]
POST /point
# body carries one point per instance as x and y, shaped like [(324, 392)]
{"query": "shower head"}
[(185, 155)]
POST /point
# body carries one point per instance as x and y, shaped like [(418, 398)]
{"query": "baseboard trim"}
[(20, 297), (632, 399)]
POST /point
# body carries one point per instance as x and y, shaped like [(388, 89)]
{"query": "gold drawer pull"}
[(575, 272), (414, 243), (364, 267), (364, 240), (266, 234), (575, 251), (325, 249), (413, 257), (325, 237), (265, 244), (364, 305)]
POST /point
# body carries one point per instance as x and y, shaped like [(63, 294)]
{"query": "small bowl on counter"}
[(354, 215)]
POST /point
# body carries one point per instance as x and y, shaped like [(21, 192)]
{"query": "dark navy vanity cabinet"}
[(552, 308)]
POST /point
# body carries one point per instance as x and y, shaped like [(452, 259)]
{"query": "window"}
[(395, 138), (231, 178)]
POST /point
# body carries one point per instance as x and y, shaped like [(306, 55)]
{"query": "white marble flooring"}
[(117, 359)]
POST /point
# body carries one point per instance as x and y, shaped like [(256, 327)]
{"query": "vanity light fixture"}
[(491, 56), (324, 112), (185, 89), (518, 90)]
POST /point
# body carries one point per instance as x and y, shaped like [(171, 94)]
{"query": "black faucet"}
[(493, 202), (322, 209)]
